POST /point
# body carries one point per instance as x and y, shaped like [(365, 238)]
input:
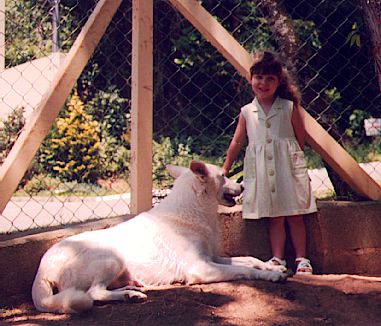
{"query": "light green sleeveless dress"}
[(276, 179)]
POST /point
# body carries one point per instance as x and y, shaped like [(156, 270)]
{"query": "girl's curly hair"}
[(269, 63)]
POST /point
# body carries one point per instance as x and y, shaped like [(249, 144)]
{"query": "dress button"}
[(271, 172), (269, 140), (268, 124), (272, 189), (270, 157)]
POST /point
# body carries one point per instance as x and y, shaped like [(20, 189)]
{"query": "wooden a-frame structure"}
[(40, 122)]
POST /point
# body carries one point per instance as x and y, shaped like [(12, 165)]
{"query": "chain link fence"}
[(81, 171)]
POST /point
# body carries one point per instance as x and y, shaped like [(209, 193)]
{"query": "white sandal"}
[(277, 261), (303, 266)]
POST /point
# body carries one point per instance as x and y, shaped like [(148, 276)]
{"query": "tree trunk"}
[(372, 17), (283, 29)]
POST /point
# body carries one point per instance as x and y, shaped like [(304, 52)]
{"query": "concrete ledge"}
[(343, 237)]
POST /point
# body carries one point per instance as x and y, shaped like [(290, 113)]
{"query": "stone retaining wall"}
[(343, 237)]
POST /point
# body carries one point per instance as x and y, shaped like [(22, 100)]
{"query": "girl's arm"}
[(298, 126), (236, 144)]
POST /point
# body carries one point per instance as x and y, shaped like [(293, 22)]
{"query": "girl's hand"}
[(225, 171)]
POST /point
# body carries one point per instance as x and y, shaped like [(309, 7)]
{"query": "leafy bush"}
[(29, 29), (41, 183), (111, 111), (115, 158), (71, 152), (9, 131), (363, 153), (314, 161), (356, 121), (168, 151)]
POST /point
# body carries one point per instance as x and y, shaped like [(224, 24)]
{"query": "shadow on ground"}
[(315, 300)]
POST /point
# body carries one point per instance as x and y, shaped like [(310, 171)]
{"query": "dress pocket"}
[(298, 163), (249, 165)]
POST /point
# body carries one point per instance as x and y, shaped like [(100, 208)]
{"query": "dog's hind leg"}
[(110, 272)]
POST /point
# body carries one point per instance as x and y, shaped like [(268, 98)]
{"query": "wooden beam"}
[(42, 118), (344, 165), (2, 35), (141, 106)]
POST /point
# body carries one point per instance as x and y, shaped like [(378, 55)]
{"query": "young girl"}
[(275, 174)]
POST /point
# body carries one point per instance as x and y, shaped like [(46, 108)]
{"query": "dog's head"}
[(211, 181)]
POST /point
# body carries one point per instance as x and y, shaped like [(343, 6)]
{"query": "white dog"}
[(176, 241)]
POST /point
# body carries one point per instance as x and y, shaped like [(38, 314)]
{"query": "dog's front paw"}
[(278, 276), (135, 296), (276, 268)]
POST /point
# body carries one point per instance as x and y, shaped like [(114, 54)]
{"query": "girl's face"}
[(264, 86)]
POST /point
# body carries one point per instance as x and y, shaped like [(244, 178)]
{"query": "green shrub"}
[(356, 121), (314, 161), (9, 131), (112, 112), (71, 152), (41, 183), (115, 158), (168, 151), (363, 153)]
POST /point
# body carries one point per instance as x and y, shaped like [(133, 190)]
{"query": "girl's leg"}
[(277, 233), (298, 234)]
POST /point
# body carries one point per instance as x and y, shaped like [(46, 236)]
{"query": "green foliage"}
[(366, 151), (308, 32), (168, 151), (333, 94), (354, 36), (72, 150), (114, 157), (10, 129), (35, 30), (333, 116), (356, 121), (29, 28), (259, 34), (41, 183), (313, 159), (112, 112), (359, 153)]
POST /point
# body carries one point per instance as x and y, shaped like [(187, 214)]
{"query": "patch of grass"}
[(313, 159), (47, 186)]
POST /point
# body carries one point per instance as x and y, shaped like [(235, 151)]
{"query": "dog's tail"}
[(67, 301)]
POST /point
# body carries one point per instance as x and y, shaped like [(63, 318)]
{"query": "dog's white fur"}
[(176, 241)]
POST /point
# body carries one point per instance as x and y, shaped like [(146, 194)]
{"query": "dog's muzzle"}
[(228, 197)]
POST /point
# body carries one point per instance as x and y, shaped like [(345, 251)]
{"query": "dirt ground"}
[(308, 300)]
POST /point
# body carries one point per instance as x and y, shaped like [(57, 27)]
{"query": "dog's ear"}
[(199, 169), (175, 171)]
